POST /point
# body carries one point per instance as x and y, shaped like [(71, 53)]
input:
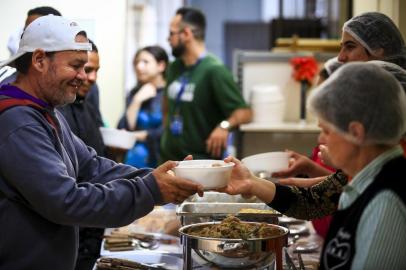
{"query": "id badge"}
[(176, 125)]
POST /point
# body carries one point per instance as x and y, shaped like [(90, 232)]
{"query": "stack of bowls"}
[(268, 104)]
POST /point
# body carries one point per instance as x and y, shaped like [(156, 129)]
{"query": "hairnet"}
[(331, 65), (375, 31), (395, 70), (366, 93)]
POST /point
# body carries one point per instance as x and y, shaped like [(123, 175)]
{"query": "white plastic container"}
[(209, 173), (267, 162), (118, 138), (268, 104)]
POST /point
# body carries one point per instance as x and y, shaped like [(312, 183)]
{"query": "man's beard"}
[(179, 50)]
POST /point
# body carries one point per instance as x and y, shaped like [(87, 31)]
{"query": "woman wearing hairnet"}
[(368, 36), (368, 230), (322, 199), (372, 36)]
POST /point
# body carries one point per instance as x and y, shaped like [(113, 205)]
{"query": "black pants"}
[(90, 240)]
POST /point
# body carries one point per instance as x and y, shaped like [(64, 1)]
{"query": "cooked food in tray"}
[(233, 228), (257, 211)]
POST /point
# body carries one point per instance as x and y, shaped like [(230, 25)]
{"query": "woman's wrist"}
[(316, 170), (263, 189)]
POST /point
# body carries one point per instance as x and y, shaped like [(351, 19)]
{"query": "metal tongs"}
[(289, 262), (301, 264), (122, 264)]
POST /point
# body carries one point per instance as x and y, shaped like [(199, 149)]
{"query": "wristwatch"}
[(225, 125)]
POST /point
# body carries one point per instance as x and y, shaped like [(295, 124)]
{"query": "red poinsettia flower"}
[(304, 68)]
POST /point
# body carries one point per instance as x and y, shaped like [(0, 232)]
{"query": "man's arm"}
[(240, 116), (42, 174), (233, 106), (217, 140)]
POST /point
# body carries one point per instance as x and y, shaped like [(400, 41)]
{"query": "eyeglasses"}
[(173, 33)]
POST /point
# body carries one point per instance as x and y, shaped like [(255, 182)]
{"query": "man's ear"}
[(187, 32), (39, 60), (357, 131)]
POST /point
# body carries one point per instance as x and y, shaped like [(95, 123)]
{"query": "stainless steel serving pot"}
[(233, 253)]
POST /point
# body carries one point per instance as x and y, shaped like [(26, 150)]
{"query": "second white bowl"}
[(267, 162)]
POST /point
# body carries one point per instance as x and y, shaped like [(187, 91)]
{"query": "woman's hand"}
[(146, 92), (240, 179), (298, 164)]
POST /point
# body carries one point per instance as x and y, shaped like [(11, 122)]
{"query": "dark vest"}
[(339, 245)]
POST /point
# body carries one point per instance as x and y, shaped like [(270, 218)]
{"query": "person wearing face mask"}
[(143, 106)]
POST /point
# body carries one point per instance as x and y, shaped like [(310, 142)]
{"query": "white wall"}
[(392, 8), (105, 23), (147, 24), (388, 7)]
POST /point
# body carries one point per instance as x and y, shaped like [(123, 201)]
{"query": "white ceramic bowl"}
[(118, 138), (267, 162), (210, 174)]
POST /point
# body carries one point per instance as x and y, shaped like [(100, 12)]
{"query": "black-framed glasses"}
[(173, 33)]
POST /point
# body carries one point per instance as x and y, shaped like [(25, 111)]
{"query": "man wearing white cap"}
[(50, 181)]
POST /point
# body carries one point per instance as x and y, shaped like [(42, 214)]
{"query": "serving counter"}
[(169, 253)]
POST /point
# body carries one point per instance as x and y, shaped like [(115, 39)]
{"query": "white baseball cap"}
[(50, 33)]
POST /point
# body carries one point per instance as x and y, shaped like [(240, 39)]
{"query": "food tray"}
[(215, 197), (216, 206)]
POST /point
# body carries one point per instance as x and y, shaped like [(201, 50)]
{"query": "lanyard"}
[(183, 82), (184, 79)]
